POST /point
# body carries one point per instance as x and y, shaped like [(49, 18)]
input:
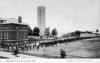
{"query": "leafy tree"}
[(77, 33), (36, 31), (97, 30), (30, 31), (89, 32), (72, 34), (47, 31), (54, 32)]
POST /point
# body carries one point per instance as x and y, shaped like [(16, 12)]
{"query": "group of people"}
[(22, 47), (33, 46), (29, 46)]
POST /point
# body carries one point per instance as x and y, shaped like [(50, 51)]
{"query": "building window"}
[(6, 27), (24, 35), (17, 34), (5, 35), (17, 27), (1, 35), (24, 28), (1, 28)]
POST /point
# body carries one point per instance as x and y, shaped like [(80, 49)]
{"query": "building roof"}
[(2, 18), (13, 21)]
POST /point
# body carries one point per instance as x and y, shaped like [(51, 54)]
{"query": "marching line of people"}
[(16, 49), (32, 46)]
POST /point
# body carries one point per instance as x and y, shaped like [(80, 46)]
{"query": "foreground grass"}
[(89, 48)]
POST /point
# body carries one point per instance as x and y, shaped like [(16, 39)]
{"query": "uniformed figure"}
[(62, 53), (16, 51), (38, 48)]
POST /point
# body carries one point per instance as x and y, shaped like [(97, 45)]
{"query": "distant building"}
[(13, 33), (41, 19)]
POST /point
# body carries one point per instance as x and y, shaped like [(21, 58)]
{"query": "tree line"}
[(36, 32), (78, 33)]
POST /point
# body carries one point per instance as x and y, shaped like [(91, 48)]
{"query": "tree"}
[(36, 31), (77, 33), (54, 32), (97, 30), (30, 31), (47, 31)]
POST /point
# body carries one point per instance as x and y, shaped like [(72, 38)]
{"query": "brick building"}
[(13, 33)]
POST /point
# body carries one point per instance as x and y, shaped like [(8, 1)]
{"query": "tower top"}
[(41, 19), (41, 6)]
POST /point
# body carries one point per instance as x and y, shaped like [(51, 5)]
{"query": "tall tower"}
[(41, 19)]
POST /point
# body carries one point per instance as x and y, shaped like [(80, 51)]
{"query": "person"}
[(62, 53), (16, 51), (33, 46), (38, 47), (8, 47), (30, 47)]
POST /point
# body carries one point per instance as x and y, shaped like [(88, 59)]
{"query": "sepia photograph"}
[(49, 29)]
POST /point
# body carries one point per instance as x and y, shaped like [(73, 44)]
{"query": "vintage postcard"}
[(49, 31)]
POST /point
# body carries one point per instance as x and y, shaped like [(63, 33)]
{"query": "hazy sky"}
[(65, 15)]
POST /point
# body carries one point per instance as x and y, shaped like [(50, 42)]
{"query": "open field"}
[(87, 48)]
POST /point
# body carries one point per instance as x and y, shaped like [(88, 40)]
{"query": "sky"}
[(65, 15)]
